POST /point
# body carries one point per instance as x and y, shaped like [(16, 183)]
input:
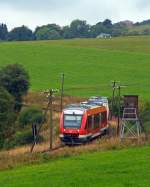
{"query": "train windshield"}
[(72, 121)]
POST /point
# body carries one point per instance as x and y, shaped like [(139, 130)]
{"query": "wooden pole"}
[(51, 119), (62, 91), (119, 95), (113, 98)]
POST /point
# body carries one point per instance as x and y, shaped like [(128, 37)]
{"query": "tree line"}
[(76, 29)]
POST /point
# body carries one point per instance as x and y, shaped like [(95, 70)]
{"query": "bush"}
[(30, 116), (115, 106), (145, 116), (21, 138)]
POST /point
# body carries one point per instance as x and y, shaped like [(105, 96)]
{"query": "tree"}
[(119, 29), (79, 29), (146, 31), (101, 27), (48, 32), (3, 32), (7, 116), (67, 32), (55, 27), (107, 23), (22, 33), (97, 29), (41, 33), (15, 79), (54, 35)]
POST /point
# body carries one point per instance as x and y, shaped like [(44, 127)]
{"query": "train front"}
[(72, 122)]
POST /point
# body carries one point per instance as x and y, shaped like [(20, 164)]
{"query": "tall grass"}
[(22, 155)]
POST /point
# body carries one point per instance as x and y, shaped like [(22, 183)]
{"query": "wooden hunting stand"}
[(130, 126)]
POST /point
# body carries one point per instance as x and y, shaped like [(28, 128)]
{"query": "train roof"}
[(93, 102), (98, 99)]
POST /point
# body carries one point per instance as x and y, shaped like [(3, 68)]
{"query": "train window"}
[(100, 117), (72, 121), (92, 122), (89, 122), (103, 116), (96, 121)]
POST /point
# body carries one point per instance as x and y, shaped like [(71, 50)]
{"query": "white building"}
[(104, 35)]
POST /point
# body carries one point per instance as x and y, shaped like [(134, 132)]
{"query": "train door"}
[(100, 120), (93, 124), (103, 119), (96, 121), (89, 124)]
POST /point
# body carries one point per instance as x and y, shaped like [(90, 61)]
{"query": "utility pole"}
[(114, 84), (62, 91), (51, 91), (113, 95), (119, 105), (51, 118)]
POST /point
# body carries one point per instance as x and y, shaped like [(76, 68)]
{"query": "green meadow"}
[(120, 168), (89, 64)]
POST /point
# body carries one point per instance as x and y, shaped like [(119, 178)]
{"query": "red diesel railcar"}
[(79, 123)]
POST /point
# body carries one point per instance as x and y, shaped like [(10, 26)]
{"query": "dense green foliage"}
[(23, 129), (20, 34), (145, 116), (20, 138), (30, 116), (48, 32), (79, 29), (3, 32), (6, 115), (129, 167), (89, 64), (15, 79)]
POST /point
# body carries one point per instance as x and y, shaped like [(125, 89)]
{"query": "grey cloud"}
[(44, 5), (143, 4), (38, 12)]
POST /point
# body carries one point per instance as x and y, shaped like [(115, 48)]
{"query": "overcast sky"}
[(38, 12)]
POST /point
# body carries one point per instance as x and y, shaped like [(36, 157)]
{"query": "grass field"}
[(120, 168), (89, 64)]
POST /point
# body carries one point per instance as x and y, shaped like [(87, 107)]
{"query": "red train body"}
[(82, 122)]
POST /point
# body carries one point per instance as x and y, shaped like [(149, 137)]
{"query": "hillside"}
[(128, 167), (89, 64), (140, 29)]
